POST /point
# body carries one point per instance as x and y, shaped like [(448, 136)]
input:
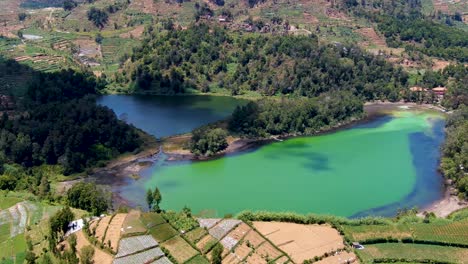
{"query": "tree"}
[(98, 17), (216, 254), (30, 257), (89, 197), (98, 38), (44, 187), (59, 222), (149, 198), (156, 199), (72, 242), (206, 141), (69, 5), (22, 16), (87, 254)]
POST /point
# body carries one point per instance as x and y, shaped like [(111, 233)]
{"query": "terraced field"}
[(444, 231), (413, 252), (13, 222)]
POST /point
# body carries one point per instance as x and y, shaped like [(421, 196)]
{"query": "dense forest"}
[(205, 58), (56, 121), (296, 116), (454, 163)]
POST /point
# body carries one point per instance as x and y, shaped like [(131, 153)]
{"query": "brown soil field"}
[(204, 241), (254, 239), (370, 34), (114, 230), (100, 256), (268, 250), (301, 242), (242, 250), (135, 33), (282, 260), (231, 259), (439, 64), (180, 249), (239, 232), (102, 226), (441, 5), (256, 258), (342, 257)]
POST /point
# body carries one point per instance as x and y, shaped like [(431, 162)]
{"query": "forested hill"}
[(404, 25), (206, 57), (57, 121)]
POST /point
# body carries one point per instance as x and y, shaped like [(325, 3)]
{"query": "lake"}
[(369, 169), (163, 116)]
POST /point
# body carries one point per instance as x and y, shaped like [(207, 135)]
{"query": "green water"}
[(343, 173)]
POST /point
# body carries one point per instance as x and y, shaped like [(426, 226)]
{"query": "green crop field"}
[(446, 231), (413, 252), (199, 259), (152, 219), (163, 232)]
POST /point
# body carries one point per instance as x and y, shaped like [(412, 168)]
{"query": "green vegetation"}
[(163, 232), (98, 17), (454, 163), (404, 25), (182, 220), (61, 125), (392, 252), (296, 116), (204, 57), (87, 254), (154, 198), (208, 141), (89, 197), (152, 219), (216, 254)]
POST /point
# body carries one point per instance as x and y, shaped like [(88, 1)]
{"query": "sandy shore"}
[(445, 206)]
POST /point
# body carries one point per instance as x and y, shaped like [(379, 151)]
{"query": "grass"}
[(152, 219), (7, 202), (413, 252), (13, 248), (163, 232), (199, 259), (180, 249)]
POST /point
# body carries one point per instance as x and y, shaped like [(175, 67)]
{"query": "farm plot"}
[(114, 229), (268, 251), (446, 231), (162, 260), (236, 235), (163, 232), (254, 239), (132, 224), (102, 226), (301, 242), (195, 235), (134, 244), (413, 252), (152, 219), (222, 228), (143, 257), (340, 257), (208, 222), (100, 256), (206, 243), (180, 249), (198, 260)]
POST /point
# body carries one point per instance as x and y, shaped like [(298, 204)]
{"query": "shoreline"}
[(118, 172)]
